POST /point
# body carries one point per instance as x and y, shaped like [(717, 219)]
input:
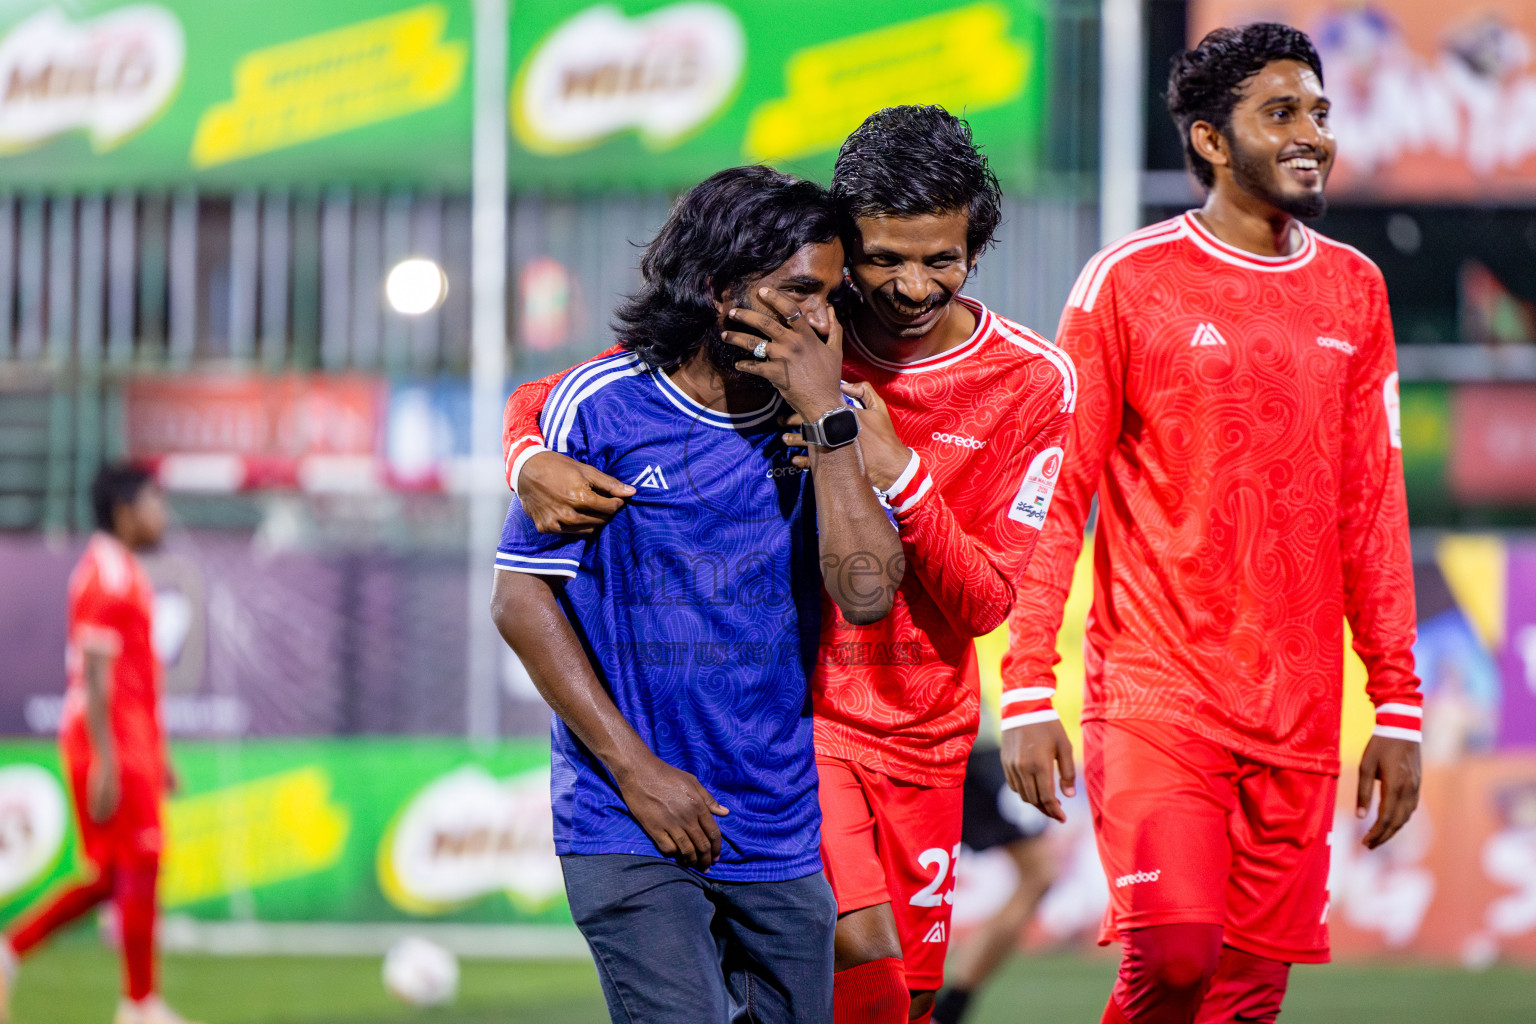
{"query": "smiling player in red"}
[(965, 417), (1239, 421)]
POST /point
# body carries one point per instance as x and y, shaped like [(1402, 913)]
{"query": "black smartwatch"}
[(833, 430)]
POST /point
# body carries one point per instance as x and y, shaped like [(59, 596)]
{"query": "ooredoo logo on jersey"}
[(1138, 877), (959, 440)]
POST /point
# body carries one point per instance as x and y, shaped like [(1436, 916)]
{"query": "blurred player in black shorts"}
[(995, 816)]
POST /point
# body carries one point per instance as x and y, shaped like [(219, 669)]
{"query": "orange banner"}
[(1459, 882), (1432, 100)]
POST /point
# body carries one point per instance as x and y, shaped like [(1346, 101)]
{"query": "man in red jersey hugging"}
[(963, 429)]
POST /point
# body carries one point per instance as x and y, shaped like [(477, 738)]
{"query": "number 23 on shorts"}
[(945, 861)]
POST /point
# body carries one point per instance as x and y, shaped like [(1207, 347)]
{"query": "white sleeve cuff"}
[(515, 469), (909, 488), (1025, 694), (913, 465), (1031, 718), (1399, 722), (567, 567)]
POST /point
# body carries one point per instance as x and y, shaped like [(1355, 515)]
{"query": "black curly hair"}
[(912, 160), (1205, 83), (118, 483), (734, 226)]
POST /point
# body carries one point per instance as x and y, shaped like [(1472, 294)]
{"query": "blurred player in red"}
[(965, 416), (1239, 420), (112, 741)]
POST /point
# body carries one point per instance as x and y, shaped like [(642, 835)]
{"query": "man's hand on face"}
[(804, 369), (562, 495), (885, 457), (675, 810), (1396, 763), (1031, 756)]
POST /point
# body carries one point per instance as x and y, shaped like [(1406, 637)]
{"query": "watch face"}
[(840, 427)]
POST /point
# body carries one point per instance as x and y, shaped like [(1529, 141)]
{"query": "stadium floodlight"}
[(415, 286)]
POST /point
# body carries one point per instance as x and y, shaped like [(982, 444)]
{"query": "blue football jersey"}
[(699, 607)]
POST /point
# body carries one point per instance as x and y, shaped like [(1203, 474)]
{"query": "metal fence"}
[(98, 287)]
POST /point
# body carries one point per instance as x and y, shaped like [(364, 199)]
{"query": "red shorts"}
[(133, 834), (1191, 833), (888, 841)]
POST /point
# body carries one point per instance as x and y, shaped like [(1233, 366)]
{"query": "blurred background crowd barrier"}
[(236, 243)]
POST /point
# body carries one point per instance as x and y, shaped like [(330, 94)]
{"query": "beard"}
[(1256, 174), (724, 357)]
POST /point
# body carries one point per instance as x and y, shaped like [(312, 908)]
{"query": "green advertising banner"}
[(236, 92), (325, 830), (645, 93), (634, 94)]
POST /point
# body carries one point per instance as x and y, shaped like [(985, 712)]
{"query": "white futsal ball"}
[(420, 973)]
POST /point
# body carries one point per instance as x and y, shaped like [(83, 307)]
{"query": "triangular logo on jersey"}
[(1205, 334), (936, 933), (652, 477)]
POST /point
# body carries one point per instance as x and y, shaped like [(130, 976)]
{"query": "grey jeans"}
[(672, 945)]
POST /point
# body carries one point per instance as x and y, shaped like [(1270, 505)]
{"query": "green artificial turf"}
[(75, 982), (1072, 990)]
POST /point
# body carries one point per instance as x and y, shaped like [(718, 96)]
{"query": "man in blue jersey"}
[(676, 645)]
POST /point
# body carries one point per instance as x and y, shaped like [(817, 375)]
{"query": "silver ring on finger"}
[(760, 351), (792, 318)]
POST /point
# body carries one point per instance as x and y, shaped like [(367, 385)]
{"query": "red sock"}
[(63, 909), (1164, 972), (872, 993), (1245, 984), (136, 911)]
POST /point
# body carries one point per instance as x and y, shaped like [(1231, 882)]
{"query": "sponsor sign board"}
[(1457, 883), (420, 830), (664, 94), (1431, 101), (339, 830), (625, 93), (107, 76), (237, 431), (100, 93)]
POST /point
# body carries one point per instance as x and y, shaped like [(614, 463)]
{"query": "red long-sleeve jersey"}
[(1238, 417), (986, 422), (111, 612)]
